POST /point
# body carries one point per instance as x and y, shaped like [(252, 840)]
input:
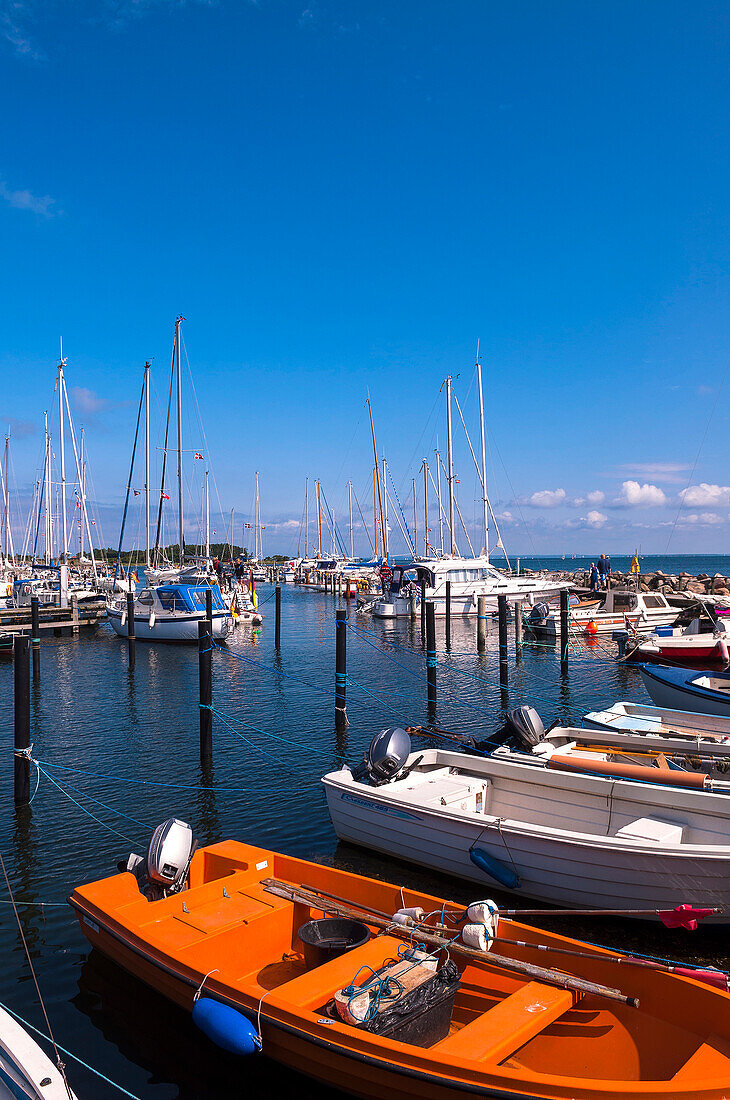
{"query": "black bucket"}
[(329, 937)]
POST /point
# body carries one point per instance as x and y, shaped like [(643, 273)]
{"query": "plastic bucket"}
[(329, 937)]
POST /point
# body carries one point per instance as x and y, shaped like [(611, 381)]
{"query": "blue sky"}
[(343, 196)]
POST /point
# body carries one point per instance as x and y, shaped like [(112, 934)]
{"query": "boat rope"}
[(59, 1062), (69, 1054), (150, 782), (103, 824), (199, 990)]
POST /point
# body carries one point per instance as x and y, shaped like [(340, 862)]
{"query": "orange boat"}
[(229, 940)]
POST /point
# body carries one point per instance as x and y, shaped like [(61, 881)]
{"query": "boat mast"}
[(352, 540), (438, 494), (147, 459), (47, 495), (256, 522), (385, 512), (450, 474), (6, 498), (485, 508), (83, 492), (319, 520), (181, 537), (207, 520), (375, 513), (377, 477), (61, 365), (415, 520), (306, 517), (425, 508), (80, 478)]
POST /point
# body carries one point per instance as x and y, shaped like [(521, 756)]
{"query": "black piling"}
[(277, 617), (502, 616), (22, 720), (517, 608), (448, 614), (563, 633), (130, 630), (481, 623), (205, 675), (431, 654), (423, 612), (35, 635), (209, 609), (340, 668)]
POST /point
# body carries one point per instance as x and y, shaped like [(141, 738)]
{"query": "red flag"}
[(198, 455), (164, 495)]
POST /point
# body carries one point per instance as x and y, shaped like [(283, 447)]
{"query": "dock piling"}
[(502, 617), (209, 609), (448, 614), (75, 614), (423, 612), (431, 653), (130, 631), (22, 720), (563, 633), (517, 608), (340, 668), (277, 616), (481, 623), (205, 676), (35, 635)]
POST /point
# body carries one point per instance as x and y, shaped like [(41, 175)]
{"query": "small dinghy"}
[(25, 1070), (660, 722), (603, 841), (706, 692), (217, 932), (691, 644)]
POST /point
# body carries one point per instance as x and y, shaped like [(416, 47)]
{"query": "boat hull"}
[(177, 628), (665, 693)]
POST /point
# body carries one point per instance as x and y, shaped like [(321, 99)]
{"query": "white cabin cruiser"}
[(470, 578), (171, 613), (621, 608), (25, 1070)]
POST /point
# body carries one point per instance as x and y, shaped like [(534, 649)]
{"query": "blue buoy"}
[(505, 876), (225, 1026)]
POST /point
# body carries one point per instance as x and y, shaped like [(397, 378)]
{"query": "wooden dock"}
[(54, 620)]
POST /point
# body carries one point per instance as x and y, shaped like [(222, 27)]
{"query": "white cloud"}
[(596, 519), (658, 471), (697, 495), (26, 200), (547, 498), (596, 497), (704, 519), (635, 495), (88, 402)]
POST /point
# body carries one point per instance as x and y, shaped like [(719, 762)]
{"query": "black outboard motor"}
[(539, 613), (385, 757), (525, 724)]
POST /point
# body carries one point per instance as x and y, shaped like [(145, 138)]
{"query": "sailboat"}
[(173, 604), (469, 577)]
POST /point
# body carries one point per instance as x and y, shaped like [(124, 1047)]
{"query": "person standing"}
[(593, 577), (602, 571)]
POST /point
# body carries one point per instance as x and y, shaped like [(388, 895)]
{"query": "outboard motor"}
[(385, 757), (525, 724), (538, 613), (164, 870)]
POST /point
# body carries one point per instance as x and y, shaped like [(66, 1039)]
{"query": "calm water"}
[(91, 715)]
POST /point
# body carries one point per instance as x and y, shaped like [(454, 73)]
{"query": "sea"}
[(117, 752)]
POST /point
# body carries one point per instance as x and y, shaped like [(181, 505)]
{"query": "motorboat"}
[(25, 1070), (469, 578), (705, 691), (562, 837), (243, 607), (702, 641), (353, 981), (661, 721), (620, 608), (171, 613)]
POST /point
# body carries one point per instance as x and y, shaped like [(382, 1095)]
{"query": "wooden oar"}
[(682, 916), (539, 973)]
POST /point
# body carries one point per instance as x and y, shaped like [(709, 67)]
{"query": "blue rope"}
[(83, 808), (150, 782)]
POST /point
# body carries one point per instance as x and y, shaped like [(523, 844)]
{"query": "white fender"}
[(153, 618)]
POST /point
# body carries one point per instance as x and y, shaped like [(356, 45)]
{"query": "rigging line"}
[(149, 782), (129, 484), (59, 1063), (83, 808), (416, 449), (697, 456), (202, 427), (362, 518), (156, 551)]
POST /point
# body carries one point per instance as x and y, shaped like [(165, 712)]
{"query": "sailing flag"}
[(198, 455), (247, 526), (252, 590), (163, 496), (136, 492)]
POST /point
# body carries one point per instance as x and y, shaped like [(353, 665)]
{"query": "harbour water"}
[(125, 748)]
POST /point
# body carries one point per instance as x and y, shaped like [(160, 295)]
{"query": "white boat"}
[(25, 1070), (701, 641), (562, 838), (706, 691), (243, 608), (470, 578), (170, 613), (621, 608), (661, 721)]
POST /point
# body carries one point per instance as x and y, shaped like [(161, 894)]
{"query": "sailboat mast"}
[(484, 457), (6, 499), (377, 476), (415, 519), (352, 539), (83, 490), (207, 520), (181, 537), (319, 520), (450, 475), (61, 364), (257, 522), (47, 495), (147, 460), (385, 512), (375, 512), (438, 495), (306, 519), (425, 508)]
